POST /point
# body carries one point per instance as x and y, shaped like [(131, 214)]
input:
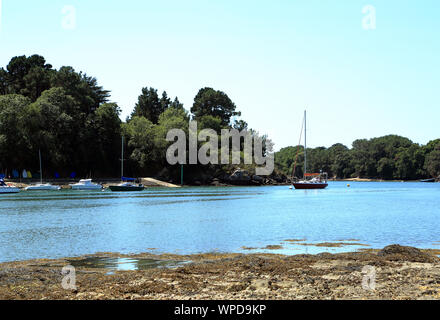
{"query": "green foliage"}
[(388, 157), (209, 102), (103, 139), (140, 134), (28, 76), (285, 160), (149, 105), (210, 122), (176, 104), (84, 89), (12, 141), (240, 125), (432, 164), (60, 112), (53, 125)]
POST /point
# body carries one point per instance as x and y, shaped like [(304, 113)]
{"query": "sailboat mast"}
[(305, 143), (122, 158), (41, 170)]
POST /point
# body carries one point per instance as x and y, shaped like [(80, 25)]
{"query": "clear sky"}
[(273, 58)]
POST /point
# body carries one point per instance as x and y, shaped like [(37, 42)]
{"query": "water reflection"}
[(125, 264)]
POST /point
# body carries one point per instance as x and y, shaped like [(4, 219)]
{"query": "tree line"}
[(67, 115), (390, 157)]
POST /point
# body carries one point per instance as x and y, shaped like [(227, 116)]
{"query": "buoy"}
[(348, 185)]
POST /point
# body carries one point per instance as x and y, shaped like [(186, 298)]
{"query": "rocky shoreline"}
[(394, 272)]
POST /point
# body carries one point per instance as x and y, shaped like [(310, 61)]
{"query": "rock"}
[(241, 177), (397, 252), (269, 181), (217, 183)]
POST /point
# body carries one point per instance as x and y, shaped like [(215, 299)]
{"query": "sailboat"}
[(127, 183), (310, 180), (41, 186)]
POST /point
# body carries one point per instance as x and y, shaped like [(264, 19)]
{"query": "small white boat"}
[(86, 184), (42, 187), (4, 188)]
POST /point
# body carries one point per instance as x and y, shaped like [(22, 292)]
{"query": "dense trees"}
[(432, 162), (67, 115), (209, 102), (28, 76), (150, 106), (63, 113), (388, 157)]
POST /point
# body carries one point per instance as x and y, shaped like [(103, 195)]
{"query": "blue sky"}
[(273, 58)]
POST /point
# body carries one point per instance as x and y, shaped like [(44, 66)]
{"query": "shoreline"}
[(401, 273), (106, 182)]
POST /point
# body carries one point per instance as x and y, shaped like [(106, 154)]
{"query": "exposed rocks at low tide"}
[(400, 273), (401, 253)]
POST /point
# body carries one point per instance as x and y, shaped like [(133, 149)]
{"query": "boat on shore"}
[(86, 184), (4, 188), (428, 180), (310, 180)]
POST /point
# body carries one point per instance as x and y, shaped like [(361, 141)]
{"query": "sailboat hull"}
[(43, 187), (308, 186)]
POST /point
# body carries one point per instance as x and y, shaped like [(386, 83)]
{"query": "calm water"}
[(193, 220)]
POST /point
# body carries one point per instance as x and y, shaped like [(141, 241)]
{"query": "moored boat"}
[(41, 186), (127, 184), (4, 188), (428, 180), (310, 180), (86, 184), (126, 187), (319, 181)]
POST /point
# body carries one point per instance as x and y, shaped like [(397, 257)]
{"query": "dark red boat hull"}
[(310, 185)]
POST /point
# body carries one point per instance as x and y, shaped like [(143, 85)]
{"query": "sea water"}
[(191, 220)]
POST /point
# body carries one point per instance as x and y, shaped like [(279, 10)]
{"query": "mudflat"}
[(394, 272)]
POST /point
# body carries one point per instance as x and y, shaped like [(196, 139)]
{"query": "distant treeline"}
[(390, 158), (68, 116)]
